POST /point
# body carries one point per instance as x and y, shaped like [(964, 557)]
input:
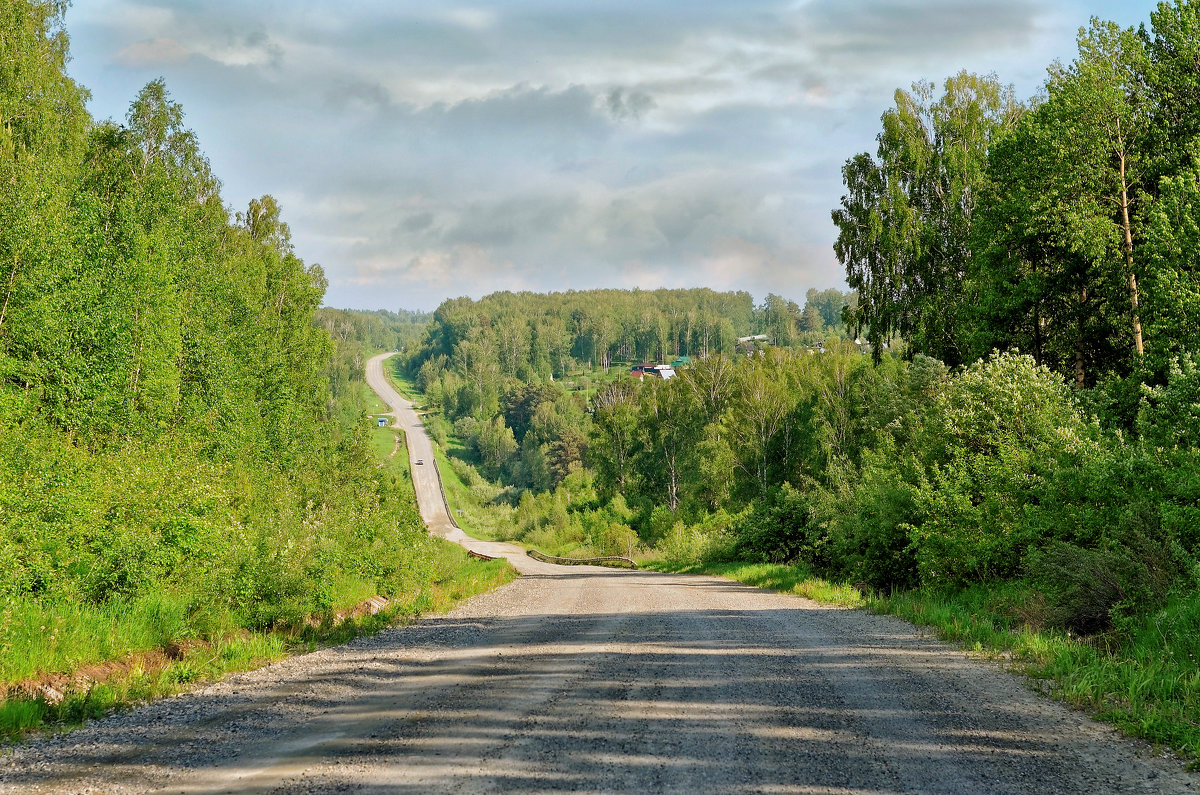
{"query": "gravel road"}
[(586, 679)]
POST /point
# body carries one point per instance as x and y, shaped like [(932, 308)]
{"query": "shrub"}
[(870, 526), (1087, 590), (999, 429), (778, 529), (1169, 415)]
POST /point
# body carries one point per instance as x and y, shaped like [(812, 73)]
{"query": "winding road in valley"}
[(426, 479), (587, 679)]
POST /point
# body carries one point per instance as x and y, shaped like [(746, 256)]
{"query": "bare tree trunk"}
[(1133, 288), (1038, 342), (672, 484), (1080, 372)]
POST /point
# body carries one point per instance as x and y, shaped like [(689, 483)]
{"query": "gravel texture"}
[(603, 680), (587, 679)]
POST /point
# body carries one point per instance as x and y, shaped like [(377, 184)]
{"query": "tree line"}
[(1063, 226), (177, 420)]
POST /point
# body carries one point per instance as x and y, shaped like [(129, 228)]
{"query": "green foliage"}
[(1170, 414), (993, 434), (869, 524), (183, 454), (1065, 229), (357, 335), (1087, 590), (906, 220), (535, 337), (778, 529)]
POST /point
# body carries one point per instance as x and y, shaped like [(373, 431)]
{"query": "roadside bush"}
[(1169, 415), (998, 430), (1088, 591), (869, 525), (710, 541), (777, 529)]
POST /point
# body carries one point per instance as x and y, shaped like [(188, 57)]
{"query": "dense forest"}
[(182, 454), (513, 373)]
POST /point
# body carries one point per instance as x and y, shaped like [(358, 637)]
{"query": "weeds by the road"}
[(84, 662), (473, 499)]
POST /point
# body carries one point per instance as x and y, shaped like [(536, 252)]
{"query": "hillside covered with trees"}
[(182, 452), (513, 374)]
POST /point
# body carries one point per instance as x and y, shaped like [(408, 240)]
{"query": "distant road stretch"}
[(597, 680), (425, 477)]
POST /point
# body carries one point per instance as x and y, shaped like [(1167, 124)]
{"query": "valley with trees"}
[(1000, 416), (994, 432)]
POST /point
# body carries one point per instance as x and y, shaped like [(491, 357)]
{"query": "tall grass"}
[(38, 638), (42, 640), (473, 500)]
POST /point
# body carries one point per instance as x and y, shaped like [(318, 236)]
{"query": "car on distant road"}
[(420, 462)]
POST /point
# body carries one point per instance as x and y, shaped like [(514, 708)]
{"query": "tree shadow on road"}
[(798, 698)]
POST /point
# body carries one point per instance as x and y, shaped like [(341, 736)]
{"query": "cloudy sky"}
[(425, 150)]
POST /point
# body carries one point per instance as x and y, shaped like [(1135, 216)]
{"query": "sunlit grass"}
[(76, 636), (472, 505), (383, 442), (62, 636), (139, 678), (401, 381), (370, 401)]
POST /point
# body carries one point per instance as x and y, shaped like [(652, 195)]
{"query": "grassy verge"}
[(1144, 680), (472, 503), (369, 401), (147, 650), (403, 384)]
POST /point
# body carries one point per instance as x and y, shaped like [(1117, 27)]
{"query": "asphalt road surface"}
[(585, 679)]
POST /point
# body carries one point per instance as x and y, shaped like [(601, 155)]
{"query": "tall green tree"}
[(1061, 258), (1172, 82), (43, 126), (905, 222), (671, 433), (616, 434)]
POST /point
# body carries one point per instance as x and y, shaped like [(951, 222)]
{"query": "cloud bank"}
[(422, 151)]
